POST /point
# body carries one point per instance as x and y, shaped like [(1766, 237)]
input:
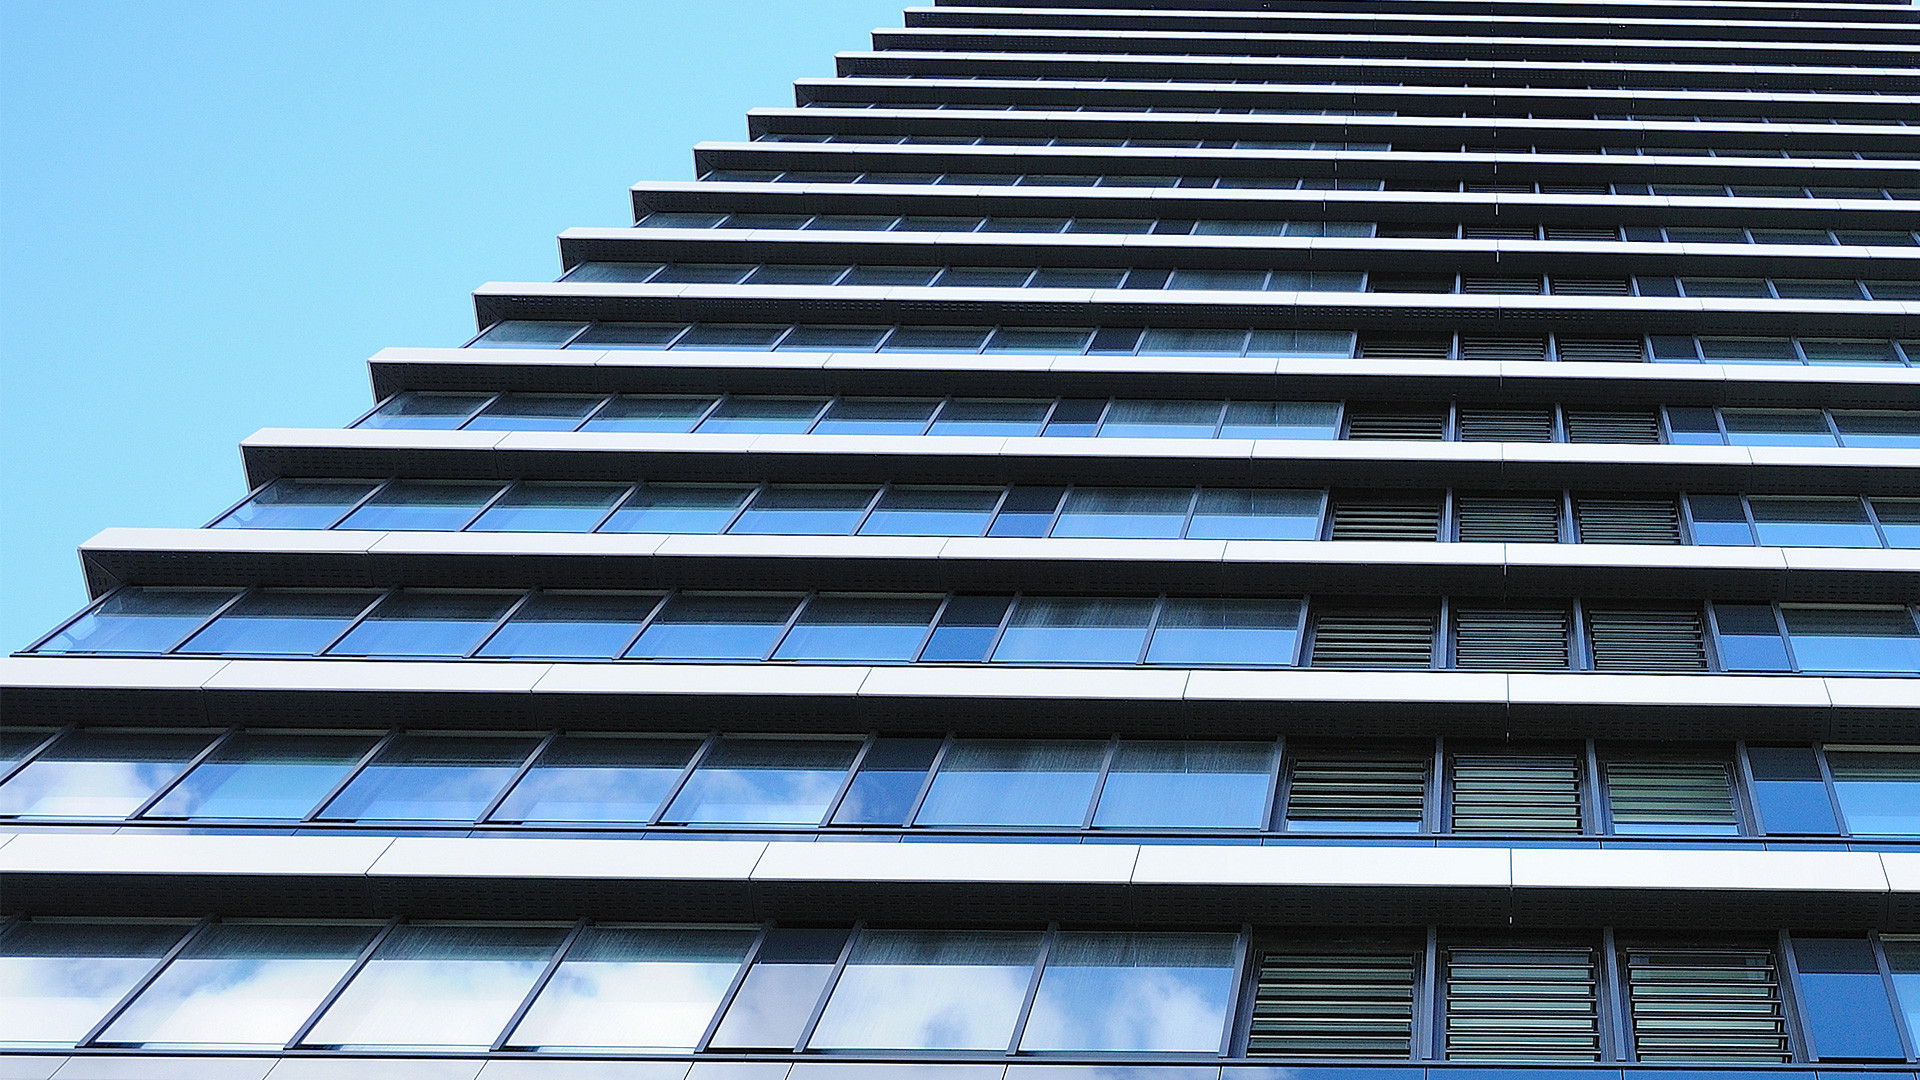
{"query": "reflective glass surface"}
[(763, 415), (869, 628), (1903, 962), (1075, 630), (1878, 429), (426, 624), (572, 625), (280, 622), (764, 782), (1124, 512), (1789, 792), (1013, 782), (446, 987), (138, 620), (1777, 427), (890, 777), (776, 999), (805, 511), (431, 778), (297, 504), (438, 412), (1748, 638), (876, 416), (98, 773), (598, 778), (966, 630), (706, 627), (57, 979), (1163, 419), (1801, 522), (917, 990), (1853, 639), (1845, 1001), (1900, 521), (634, 989), (649, 412), (928, 511), (421, 506), (1241, 514), (1164, 992), (670, 509), (534, 412), (1027, 511), (1186, 785), (264, 776), (1879, 790), (991, 417), (550, 508), (1242, 632)]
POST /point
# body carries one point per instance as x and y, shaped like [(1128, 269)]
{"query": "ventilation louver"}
[(1587, 426), (1506, 425), (1510, 639), (1706, 1006), (1508, 519), (1489, 286), (1670, 796), (1522, 1005), (1504, 348), (1496, 793), (1564, 286), (1567, 232), (1402, 518), (1646, 640), (1621, 350), (1374, 639), (1419, 425), (1333, 1005), (1616, 520), (1500, 232), (1438, 347), (1349, 791)]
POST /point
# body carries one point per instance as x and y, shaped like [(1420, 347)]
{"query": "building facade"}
[(1122, 539)]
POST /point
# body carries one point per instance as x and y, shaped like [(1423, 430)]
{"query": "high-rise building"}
[(1124, 539)]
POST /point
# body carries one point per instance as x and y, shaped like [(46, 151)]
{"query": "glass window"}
[(1163, 341), (984, 277), (1848, 350), (1244, 514), (1809, 522), (1879, 790), (670, 509), (534, 412), (1124, 512), (834, 339), (764, 782), (138, 620), (635, 989), (1748, 638), (702, 274), (1161, 420), (1073, 630), (297, 504), (1789, 792), (1133, 991), (1061, 277), (1014, 782), (17, 743), (707, 627), (1186, 785), (1903, 960), (1037, 339), (929, 990), (1719, 520), (715, 336), (264, 776), (1694, 427), (1885, 430), (280, 622), (966, 630), (427, 412), (796, 274), (584, 626), (890, 777), (1777, 427), (1281, 420), (1075, 417), (1863, 639), (598, 778), (763, 416), (805, 511), (1844, 1000), (891, 275), (649, 412), (856, 628), (628, 335), (421, 506), (446, 987), (876, 416), (936, 339), (1745, 350), (241, 986), (1309, 343), (1027, 511), (425, 624), (1900, 521), (1238, 632), (932, 511), (536, 507), (57, 979), (1219, 279), (1664, 796), (431, 778), (98, 774), (986, 416), (527, 334), (623, 272), (776, 999)]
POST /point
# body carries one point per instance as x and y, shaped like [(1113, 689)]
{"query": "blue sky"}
[(212, 212)]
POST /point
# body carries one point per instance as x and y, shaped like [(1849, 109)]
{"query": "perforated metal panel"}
[(1507, 519), (1593, 426), (1625, 639), (1700, 1006), (1522, 1005), (1363, 638), (1408, 518), (1338, 1005), (1497, 793), (1507, 425), (1620, 520), (1511, 639)]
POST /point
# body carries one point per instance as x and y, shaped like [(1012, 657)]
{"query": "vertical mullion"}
[(499, 494), (1786, 639), (1276, 771), (1435, 811), (244, 500), (1430, 1004), (193, 763), (519, 774), (932, 625), (1907, 1045), (1100, 781), (1242, 952), (378, 487), (1615, 1005), (740, 509), (700, 754), (1153, 624), (873, 503), (1788, 970), (187, 938), (999, 504), (1000, 632), (1580, 650), (1033, 988), (1745, 791), (713, 406), (1833, 789), (539, 984), (1873, 519), (926, 784), (340, 986), (1442, 639), (832, 984), (934, 417), (373, 752), (1059, 508), (1193, 507), (1590, 805), (605, 400)]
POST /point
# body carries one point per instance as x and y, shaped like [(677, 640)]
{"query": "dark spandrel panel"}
[(98, 774), (257, 776), (431, 778), (598, 779)]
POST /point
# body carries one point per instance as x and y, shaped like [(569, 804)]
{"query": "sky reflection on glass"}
[(635, 989)]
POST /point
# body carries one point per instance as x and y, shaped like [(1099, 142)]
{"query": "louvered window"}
[(1486, 286), (1590, 426), (1627, 639), (1506, 425), (1404, 518), (1565, 286), (1510, 639), (1422, 425), (1658, 797), (1620, 520), (1706, 1006), (1439, 347), (1522, 1005), (1499, 793), (1335, 1005), (1368, 638), (1348, 795), (1567, 232), (1508, 519), (1599, 350), (1411, 283), (1505, 348), (1501, 232)]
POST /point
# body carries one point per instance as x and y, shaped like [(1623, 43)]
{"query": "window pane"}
[(1027, 511), (1161, 420), (634, 989), (1791, 522), (1281, 420), (587, 626), (1900, 520), (1013, 782), (805, 511), (714, 336), (1777, 427), (936, 339), (875, 628), (1719, 520), (628, 335), (777, 997), (764, 782), (528, 334), (431, 778), (241, 986), (1848, 350), (923, 990), (425, 412), (889, 779), (534, 507), (1243, 514), (1070, 630), (297, 504), (668, 509), (58, 979), (696, 627), (1029, 339), (1124, 512), (534, 412), (280, 622), (424, 624), (1186, 785), (967, 628), (600, 779), (256, 775), (1845, 1002), (1176, 342), (931, 511), (1163, 992), (138, 620), (702, 274), (1241, 632), (981, 416), (94, 774), (876, 416), (421, 506), (1308, 343), (1789, 791), (1655, 797), (649, 412), (1888, 430), (447, 987), (1749, 638), (763, 416), (1853, 639), (1903, 960), (1879, 791)]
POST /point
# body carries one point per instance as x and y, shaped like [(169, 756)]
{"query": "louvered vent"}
[(1508, 519), (1439, 347), (1498, 793), (1706, 1006), (1405, 518), (1500, 189), (1503, 348), (1410, 283), (1564, 232), (1333, 1005), (1575, 189), (1350, 791), (1622, 350), (1588, 426), (1617, 520), (1501, 232), (1566, 286), (1646, 640), (1487, 286), (1670, 796), (1522, 1005), (1422, 425), (1510, 639), (1506, 425), (1374, 639)]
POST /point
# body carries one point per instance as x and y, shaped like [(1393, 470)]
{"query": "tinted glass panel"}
[(1124, 512), (280, 623), (426, 625), (1845, 1001), (90, 774), (431, 778), (1900, 521), (587, 778), (1239, 632), (431, 412), (1281, 419), (925, 511), (137, 620), (1879, 791), (976, 416), (1072, 630), (256, 775), (297, 504), (966, 630), (1790, 522), (1891, 430), (876, 416), (448, 987), (550, 508), (764, 782), (872, 628), (58, 979), (1243, 514), (1777, 427), (534, 412), (1853, 639), (588, 626), (421, 506), (635, 989), (1186, 785), (1789, 791), (1903, 960), (669, 509), (763, 416), (777, 997), (1164, 992), (1013, 782), (890, 778), (696, 627), (1161, 420), (1749, 638), (805, 511), (1027, 511), (646, 412), (628, 335), (915, 990), (527, 334)]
